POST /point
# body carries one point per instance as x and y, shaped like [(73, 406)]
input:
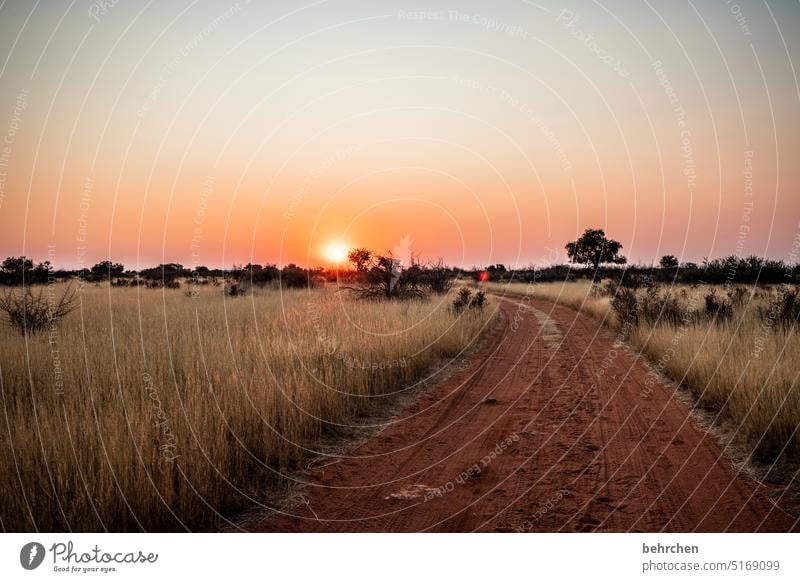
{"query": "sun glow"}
[(336, 252)]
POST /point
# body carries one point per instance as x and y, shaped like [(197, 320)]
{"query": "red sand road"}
[(550, 427)]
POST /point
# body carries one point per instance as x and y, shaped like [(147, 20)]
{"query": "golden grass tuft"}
[(151, 410)]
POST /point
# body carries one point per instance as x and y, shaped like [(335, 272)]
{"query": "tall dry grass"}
[(743, 368), (151, 410)]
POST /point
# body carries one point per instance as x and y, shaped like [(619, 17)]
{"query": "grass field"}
[(744, 368), (149, 409)]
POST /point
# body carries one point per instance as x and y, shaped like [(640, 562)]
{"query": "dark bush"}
[(626, 306), (294, 277), (667, 308), (718, 309), (465, 300), (438, 278), (462, 300), (234, 289), (31, 313), (479, 301), (783, 310)]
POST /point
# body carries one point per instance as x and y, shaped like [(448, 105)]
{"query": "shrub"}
[(438, 278), (608, 289), (466, 300), (633, 280), (783, 310), (31, 313), (668, 262), (294, 277), (664, 308), (462, 300), (479, 301), (718, 309), (626, 306), (234, 289), (737, 296)]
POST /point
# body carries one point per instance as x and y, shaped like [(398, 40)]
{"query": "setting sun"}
[(336, 252)]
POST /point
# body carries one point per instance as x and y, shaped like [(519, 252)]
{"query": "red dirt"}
[(586, 449)]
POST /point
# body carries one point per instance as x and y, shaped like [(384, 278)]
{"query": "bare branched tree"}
[(31, 313)]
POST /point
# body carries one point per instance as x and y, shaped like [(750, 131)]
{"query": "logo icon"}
[(31, 555), (402, 258)]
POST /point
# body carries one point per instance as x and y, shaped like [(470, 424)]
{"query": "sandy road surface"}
[(551, 427)]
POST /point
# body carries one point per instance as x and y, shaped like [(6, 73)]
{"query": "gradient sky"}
[(217, 133)]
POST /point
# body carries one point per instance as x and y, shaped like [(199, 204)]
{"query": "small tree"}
[(106, 270), (385, 276), (41, 272), (361, 259), (16, 269), (668, 262), (594, 249), (17, 265), (30, 313), (437, 277)]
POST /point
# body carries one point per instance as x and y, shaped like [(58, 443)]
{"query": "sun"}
[(336, 252)]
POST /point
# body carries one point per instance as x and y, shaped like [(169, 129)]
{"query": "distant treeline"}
[(725, 270), (730, 270), (16, 270)]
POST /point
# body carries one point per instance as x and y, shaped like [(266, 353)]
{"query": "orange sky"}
[(213, 133)]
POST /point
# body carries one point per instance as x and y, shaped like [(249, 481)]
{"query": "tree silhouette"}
[(594, 249), (361, 259), (668, 262), (107, 269), (17, 265)]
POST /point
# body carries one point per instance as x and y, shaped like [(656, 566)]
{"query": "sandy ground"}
[(550, 427)]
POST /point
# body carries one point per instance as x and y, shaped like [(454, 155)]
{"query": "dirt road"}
[(551, 427)]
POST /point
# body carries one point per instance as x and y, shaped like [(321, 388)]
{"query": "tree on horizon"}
[(594, 249)]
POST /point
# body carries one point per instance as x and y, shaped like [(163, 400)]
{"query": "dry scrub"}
[(147, 409), (737, 351)]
